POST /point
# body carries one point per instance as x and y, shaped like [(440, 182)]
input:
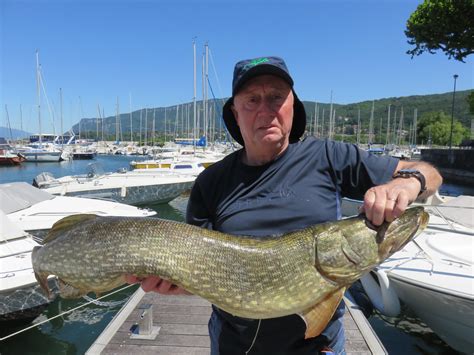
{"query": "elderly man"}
[(278, 183)]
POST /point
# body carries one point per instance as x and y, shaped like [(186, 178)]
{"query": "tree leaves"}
[(435, 128), (445, 25)]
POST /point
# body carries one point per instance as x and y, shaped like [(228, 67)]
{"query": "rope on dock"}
[(65, 312)]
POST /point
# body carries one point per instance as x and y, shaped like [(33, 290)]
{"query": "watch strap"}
[(409, 173)]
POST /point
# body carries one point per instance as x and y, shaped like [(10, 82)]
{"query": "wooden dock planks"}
[(183, 321)]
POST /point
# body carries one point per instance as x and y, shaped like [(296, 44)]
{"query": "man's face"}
[(263, 109)]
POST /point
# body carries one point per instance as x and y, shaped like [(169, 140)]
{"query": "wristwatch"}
[(408, 173)]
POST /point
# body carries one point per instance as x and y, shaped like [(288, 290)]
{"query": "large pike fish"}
[(303, 272)]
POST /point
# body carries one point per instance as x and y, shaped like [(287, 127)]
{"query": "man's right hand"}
[(156, 284)]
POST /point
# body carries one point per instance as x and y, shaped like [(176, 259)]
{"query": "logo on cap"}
[(255, 62)]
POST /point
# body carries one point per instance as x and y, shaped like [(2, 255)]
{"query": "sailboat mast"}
[(358, 127), (131, 122), (206, 90), (103, 117), (165, 123), (61, 113), (153, 128), (315, 125), (38, 92), (80, 116), (176, 122), (140, 139), (102, 122), (322, 123), (8, 123), (415, 116), (117, 121), (400, 128), (203, 103), (371, 124), (21, 118), (330, 119), (146, 125), (194, 94), (387, 139)]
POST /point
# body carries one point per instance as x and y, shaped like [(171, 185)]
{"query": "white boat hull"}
[(42, 157), (20, 295), (134, 195), (450, 316), (434, 274), (131, 188), (25, 302)]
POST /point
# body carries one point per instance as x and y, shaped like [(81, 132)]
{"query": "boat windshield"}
[(95, 169)]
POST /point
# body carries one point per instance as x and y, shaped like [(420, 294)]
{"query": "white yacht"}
[(42, 153), (37, 210), (434, 274), (124, 186)]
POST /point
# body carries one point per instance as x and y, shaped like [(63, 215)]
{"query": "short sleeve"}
[(356, 171), (197, 213)]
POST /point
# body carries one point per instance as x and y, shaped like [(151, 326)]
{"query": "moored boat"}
[(37, 210), (8, 156), (125, 187), (434, 274), (21, 297)]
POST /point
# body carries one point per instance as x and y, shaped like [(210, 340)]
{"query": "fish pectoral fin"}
[(318, 316), (65, 224)]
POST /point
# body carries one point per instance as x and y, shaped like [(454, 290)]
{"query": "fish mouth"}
[(424, 219), (66, 290), (41, 276), (423, 222)]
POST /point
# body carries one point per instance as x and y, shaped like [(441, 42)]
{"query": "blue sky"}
[(100, 50)]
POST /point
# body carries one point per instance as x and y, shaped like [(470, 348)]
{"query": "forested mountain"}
[(179, 118)]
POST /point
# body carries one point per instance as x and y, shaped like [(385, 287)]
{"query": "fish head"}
[(391, 237), (66, 289), (349, 248)]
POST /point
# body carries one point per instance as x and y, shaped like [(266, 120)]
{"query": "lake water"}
[(73, 333)]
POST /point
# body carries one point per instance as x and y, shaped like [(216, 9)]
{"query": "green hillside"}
[(179, 118)]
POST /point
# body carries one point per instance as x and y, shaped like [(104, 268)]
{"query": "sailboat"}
[(40, 151)]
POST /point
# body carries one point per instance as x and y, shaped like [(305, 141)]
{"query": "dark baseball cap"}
[(250, 68)]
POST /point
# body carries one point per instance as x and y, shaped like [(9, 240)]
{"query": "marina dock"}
[(183, 328)]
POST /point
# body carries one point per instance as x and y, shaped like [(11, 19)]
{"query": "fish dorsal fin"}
[(318, 316), (65, 224)]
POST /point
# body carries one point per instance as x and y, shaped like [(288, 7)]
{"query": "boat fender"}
[(123, 191), (383, 297)]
